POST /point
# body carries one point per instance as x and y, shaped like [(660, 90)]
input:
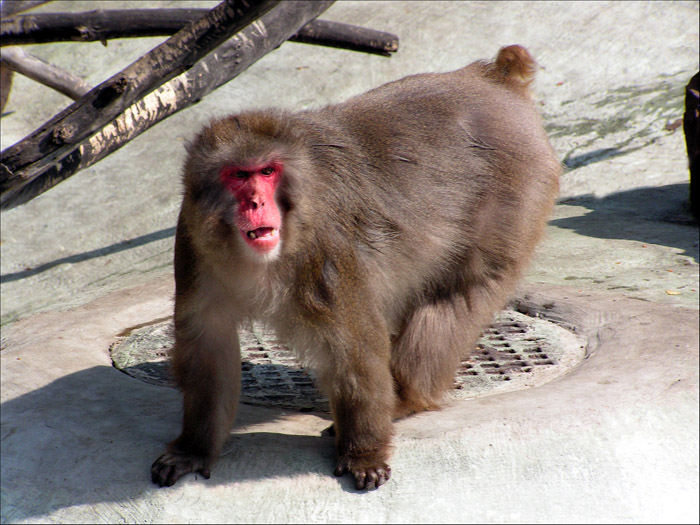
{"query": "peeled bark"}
[(229, 60)]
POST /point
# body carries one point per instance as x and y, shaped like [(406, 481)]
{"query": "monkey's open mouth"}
[(262, 233), (263, 239)]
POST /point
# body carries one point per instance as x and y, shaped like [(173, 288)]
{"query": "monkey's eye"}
[(267, 171), (241, 174)]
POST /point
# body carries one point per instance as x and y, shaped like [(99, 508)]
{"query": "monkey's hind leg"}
[(427, 352)]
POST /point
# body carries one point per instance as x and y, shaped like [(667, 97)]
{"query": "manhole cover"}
[(516, 351)]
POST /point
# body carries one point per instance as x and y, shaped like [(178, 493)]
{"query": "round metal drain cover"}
[(516, 351)]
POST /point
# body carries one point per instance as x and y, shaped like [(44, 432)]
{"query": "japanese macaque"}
[(377, 237), (691, 129)]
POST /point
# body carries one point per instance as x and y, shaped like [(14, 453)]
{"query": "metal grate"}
[(516, 351)]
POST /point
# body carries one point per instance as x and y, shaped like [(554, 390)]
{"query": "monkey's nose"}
[(256, 202)]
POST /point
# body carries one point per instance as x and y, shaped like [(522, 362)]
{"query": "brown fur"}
[(409, 213), (691, 129)]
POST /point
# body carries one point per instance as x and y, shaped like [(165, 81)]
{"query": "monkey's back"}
[(459, 174)]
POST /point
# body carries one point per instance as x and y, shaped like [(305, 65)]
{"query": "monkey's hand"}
[(171, 466), (369, 473)]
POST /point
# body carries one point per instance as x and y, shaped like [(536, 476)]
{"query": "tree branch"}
[(103, 25), (5, 84), (37, 69), (347, 36), (229, 60), (24, 160)]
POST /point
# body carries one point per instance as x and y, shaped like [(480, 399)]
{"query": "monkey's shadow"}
[(656, 215), (91, 436)]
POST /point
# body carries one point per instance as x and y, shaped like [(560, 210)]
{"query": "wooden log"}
[(24, 160), (347, 36), (98, 25), (5, 84), (48, 74), (103, 25), (229, 60)]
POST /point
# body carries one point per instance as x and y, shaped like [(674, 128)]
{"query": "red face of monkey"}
[(258, 217)]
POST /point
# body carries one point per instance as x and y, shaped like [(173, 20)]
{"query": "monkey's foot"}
[(171, 466), (369, 474)]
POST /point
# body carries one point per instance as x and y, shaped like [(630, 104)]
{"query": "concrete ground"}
[(614, 440)]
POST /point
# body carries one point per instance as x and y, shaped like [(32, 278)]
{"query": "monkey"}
[(377, 237), (691, 130)]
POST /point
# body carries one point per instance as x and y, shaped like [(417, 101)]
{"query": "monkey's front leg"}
[(362, 399), (207, 367)]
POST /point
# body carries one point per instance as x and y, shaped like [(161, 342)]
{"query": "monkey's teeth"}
[(263, 233)]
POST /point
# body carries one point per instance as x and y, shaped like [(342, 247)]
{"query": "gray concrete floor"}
[(615, 440)]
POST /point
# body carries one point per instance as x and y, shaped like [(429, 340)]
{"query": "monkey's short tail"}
[(514, 66)]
